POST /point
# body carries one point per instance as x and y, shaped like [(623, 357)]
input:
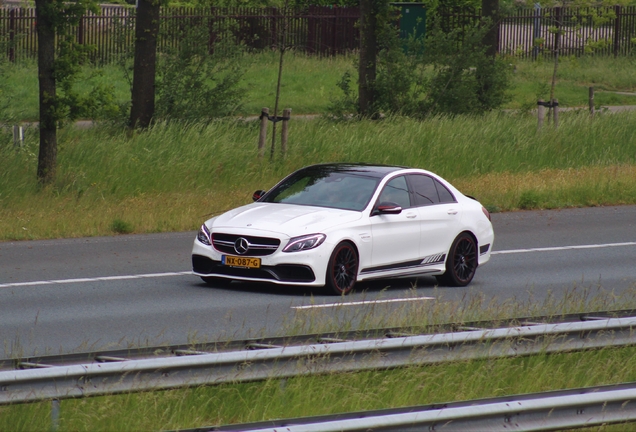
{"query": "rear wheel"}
[(216, 281), (342, 269), (461, 263)]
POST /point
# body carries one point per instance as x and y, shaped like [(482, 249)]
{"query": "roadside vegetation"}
[(175, 175)]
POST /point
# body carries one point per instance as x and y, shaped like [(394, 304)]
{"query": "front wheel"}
[(342, 269), (461, 263)]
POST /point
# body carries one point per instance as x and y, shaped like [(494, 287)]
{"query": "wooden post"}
[(18, 136), (285, 130), (555, 107), (541, 113), (263, 136), (591, 101)]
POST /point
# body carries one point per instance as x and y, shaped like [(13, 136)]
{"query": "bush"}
[(444, 73), (193, 83)]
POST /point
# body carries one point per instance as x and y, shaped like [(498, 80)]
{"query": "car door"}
[(395, 237), (439, 215)]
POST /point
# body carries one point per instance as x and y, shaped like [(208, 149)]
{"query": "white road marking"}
[(358, 303), (560, 248), (97, 279)]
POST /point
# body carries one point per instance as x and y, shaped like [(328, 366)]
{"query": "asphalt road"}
[(74, 295)]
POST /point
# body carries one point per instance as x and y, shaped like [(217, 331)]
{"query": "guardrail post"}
[(55, 415), (263, 136)]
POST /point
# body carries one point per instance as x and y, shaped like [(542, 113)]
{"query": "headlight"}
[(204, 235), (305, 242)]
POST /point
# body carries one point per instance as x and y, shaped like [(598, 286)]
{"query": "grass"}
[(174, 176)]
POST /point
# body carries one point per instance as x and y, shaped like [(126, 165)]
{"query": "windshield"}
[(339, 190)]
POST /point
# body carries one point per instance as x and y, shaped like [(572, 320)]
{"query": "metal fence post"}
[(536, 34)]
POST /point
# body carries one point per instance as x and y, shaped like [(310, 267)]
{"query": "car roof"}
[(378, 171)]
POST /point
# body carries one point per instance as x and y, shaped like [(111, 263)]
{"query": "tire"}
[(216, 281), (461, 263), (342, 269)]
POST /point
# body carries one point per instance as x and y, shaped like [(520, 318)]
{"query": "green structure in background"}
[(412, 20)]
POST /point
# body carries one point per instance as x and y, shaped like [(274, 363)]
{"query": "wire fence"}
[(327, 31)]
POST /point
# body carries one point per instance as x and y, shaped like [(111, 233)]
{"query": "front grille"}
[(282, 272), (257, 246)]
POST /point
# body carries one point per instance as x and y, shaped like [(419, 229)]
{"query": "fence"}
[(331, 30), (314, 29), (531, 32)]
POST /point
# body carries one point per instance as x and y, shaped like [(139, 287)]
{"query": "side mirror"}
[(386, 207), (258, 194)]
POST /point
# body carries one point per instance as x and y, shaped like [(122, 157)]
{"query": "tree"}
[(143, 88), (367, 64), (490, 11), (56, 65)]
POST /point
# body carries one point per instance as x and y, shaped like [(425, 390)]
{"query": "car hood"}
[(287, 219)]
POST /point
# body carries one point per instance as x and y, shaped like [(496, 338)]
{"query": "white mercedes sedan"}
[(333, 225)]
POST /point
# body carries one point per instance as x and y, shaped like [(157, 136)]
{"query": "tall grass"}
[(170, 177)]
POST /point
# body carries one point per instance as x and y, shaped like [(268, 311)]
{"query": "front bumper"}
[(290, 273), (295, 268)]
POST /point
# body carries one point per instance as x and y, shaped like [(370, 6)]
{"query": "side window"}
[(396, 191), (445, 196), (424, 190)]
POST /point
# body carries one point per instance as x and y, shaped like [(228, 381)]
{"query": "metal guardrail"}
[(548, 411), (137, 353), (60, 382)]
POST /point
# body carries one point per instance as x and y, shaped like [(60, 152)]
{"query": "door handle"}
[(411, 215), (452, 212)]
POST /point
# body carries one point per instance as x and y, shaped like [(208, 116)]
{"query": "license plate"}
[(235, 261)]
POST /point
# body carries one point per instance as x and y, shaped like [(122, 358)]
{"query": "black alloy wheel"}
[(216, 281), (461, 263), (342, 269)]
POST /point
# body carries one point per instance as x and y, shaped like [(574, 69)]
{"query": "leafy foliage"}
[(465, 79), (443, 73), (193, 82), (71, 104)]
